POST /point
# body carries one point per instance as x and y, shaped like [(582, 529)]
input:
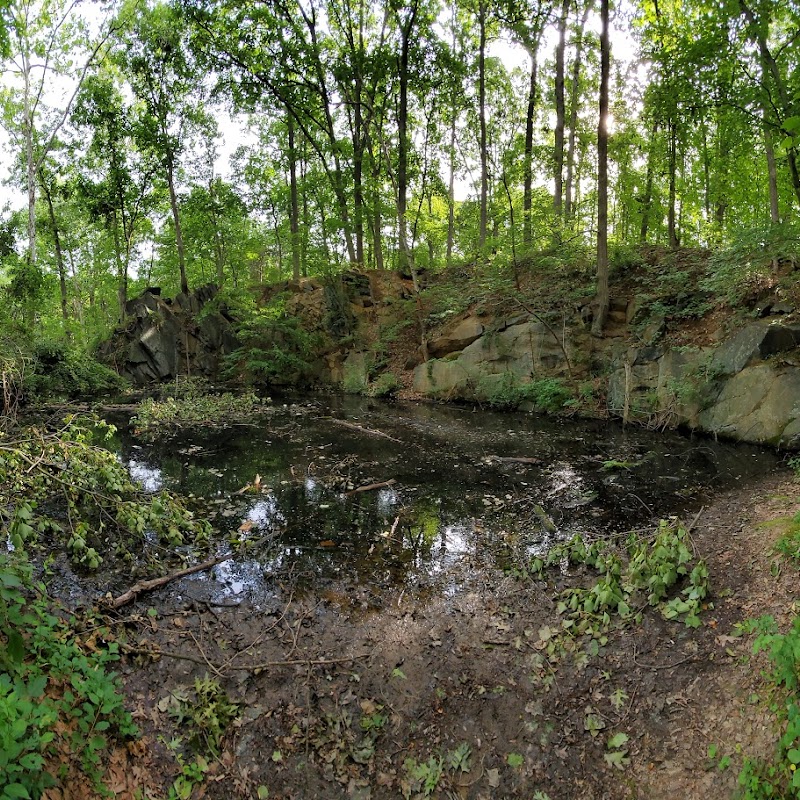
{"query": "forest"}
[(280, 282), (379, 135)]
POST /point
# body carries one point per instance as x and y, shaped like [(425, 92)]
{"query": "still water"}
[(458, 490)]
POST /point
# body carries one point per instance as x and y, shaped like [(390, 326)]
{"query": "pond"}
[(351, 491)]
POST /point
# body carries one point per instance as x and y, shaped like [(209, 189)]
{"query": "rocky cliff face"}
[(744, 385), (163, 338)]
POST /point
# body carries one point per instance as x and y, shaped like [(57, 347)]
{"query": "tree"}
[(602, 295), (154, 56), (43, 38)]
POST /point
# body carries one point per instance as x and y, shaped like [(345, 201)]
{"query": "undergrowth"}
[(60, 487), (59, 705), (778, 777), (156, 418), (59, 371), (509, 393), (657, 571)]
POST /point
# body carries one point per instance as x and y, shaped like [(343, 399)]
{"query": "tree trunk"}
[(558, 160), (530, 119), (772, 167), (484, 155), (403, 140), (769, 64), (176, 219), (602, 299), (122, 270), (574, 96), (62, 272), (294, 206), (674, 242), (647, 200), (451, 192)]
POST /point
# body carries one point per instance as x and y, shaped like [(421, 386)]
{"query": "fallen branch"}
[(156, 653), (361, 429), (515, 459), (156, 583), (372, 486)]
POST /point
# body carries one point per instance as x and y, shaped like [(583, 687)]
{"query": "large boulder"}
[(759, 404), (522, 348), (455, 337), (755, 342), (163, 338)]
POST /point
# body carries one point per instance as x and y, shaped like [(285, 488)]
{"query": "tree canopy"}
[(376, 134)]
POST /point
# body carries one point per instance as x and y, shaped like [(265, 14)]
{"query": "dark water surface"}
[(458, 502)]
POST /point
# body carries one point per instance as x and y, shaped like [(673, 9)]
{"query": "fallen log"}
[(372, 486), (155, 583)]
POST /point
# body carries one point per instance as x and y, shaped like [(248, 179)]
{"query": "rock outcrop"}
[(163, 338), (746, 388), (521, 349)]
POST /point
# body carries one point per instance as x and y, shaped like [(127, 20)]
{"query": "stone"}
[(161, 339), (759, 404), (445, 379), (456, 337), (653, 331), (756, 341)]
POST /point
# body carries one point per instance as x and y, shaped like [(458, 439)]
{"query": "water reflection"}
[(464, 489), (149, 477)]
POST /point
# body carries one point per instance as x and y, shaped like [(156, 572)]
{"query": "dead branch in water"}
[(372, 486), (155, 583), (361, 429)]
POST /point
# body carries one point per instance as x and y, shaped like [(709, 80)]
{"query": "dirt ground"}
[(447, 691)]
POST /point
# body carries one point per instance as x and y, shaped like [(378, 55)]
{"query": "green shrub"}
[(778, 777), (508, 393), (386, 385), (156, 418), (741, 269), (60, 371), (62, 485), (275, 348), (50, 689)]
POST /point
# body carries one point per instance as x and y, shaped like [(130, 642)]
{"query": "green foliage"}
[(742, 268), (191, 775), (789, 542), (54, 695), (778, 777), (386, 385), (62, 485), (276, 349), (658, 571), (58, 370), (206, 715), (422, 778), (194, 409), (509, 393)]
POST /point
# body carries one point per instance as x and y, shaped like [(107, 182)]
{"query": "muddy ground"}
[(345, 691)]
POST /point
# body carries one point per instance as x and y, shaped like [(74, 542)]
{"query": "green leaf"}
[(794, 756), (617, 740), (15, 646), (515, 760), (617, 758), (16, 790), (791, 124)]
